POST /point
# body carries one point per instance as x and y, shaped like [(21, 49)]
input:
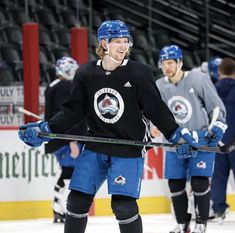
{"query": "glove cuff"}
[(221, 125), (175, 137)]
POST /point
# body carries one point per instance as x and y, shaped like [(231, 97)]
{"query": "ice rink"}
[(161, 223)]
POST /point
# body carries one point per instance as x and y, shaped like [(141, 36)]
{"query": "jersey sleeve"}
[(152, 105), (206, 91)]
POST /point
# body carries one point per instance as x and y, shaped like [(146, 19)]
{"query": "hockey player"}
[(223, 164), (213, 68), (191, 97), (113, 93), (66, 152)]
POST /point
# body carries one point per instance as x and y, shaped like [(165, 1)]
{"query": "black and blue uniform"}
[(116, 105)]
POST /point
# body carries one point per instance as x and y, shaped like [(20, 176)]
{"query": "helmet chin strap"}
[(107, 53), (118, 62)]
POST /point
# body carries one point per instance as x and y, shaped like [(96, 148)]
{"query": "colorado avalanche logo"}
[(181, 108), (108, 105), (120, 180), (201, 165)]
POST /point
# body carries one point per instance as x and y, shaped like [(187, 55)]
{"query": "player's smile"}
[(119, 47), (120, 54)]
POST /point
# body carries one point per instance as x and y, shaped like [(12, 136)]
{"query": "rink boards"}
[(28, 175)]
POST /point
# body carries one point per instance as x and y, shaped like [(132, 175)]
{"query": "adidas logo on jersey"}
[(191, 90), (127, 84)]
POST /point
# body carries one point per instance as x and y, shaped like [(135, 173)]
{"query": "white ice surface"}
[(160, 223)]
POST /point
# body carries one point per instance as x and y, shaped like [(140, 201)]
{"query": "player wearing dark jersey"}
[(116, 96), (225, 87), (65, 151)]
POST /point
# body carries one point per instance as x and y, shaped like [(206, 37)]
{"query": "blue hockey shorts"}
[(123, 174), (201, 165)]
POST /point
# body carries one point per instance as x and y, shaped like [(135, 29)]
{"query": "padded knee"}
[(176, 185), (79, 202), (200, 184), (124, 207)]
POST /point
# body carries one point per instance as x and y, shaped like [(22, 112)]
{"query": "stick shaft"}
[(214, 118), (120, 141), (28, 113)]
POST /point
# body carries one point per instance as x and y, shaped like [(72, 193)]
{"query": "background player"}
[(213, 68), (191, 97), (66, 152), (223, 164), (113, 94)]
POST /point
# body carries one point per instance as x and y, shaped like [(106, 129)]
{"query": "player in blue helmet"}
[(213, 68), (109, 30), (191, 97), (171, 52), (113, 94)]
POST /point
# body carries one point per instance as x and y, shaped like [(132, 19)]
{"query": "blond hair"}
[(100, 51)]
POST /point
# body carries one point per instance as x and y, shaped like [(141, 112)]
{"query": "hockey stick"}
[(227, 148), (28, 113), (214, 118)]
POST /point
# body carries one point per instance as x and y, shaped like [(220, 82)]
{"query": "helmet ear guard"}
[(66, 67)]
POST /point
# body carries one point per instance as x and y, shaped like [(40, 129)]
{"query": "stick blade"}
[(229, 147)]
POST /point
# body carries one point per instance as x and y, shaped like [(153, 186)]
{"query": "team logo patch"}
[(108, 105), (120, 180), (181, 108), (201, 165)]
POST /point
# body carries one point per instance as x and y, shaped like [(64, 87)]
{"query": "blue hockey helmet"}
[(113, 29), (213, 67), (171, 52)]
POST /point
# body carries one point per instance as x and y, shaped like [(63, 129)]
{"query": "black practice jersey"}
[(55, 94), (115, 104)]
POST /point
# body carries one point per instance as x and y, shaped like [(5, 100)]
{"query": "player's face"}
[(118, 47), (169, 68)]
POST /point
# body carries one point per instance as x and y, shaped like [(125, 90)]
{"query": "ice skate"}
[(58, 217), (181, 228), (59, 213), (200, 228), (58, 205), (220, 217)]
